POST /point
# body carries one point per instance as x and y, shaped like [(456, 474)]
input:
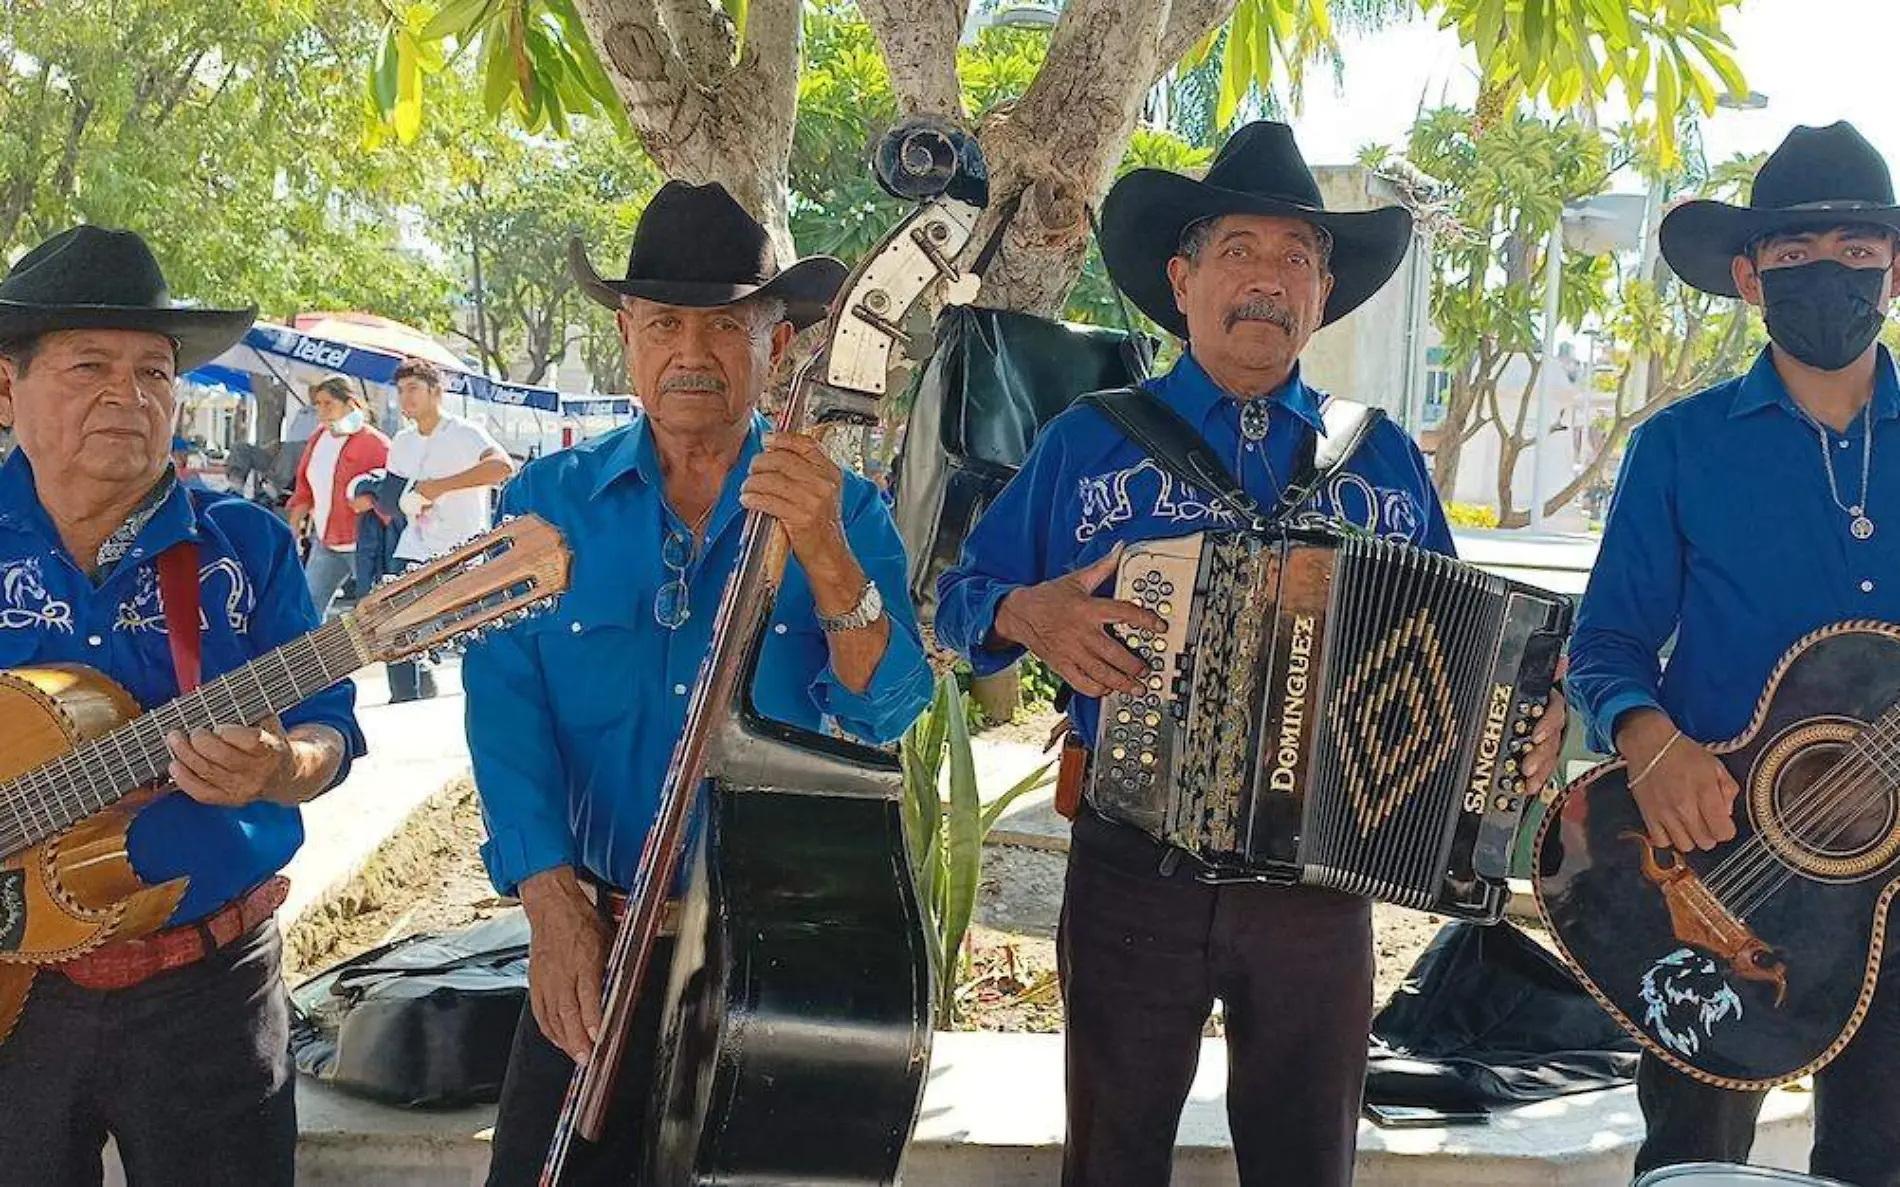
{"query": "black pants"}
[(1856, 1107), (189, 1071), (1143, 956), (536, 1086)]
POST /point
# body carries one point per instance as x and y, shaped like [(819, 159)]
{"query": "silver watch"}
[(869, 609)]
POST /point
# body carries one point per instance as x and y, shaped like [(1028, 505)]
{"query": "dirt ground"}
[(429, 878)]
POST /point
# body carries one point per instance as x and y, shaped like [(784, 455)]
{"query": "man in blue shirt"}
[(175, 1044), (1244, 266), (572, 718), (1747, 516)]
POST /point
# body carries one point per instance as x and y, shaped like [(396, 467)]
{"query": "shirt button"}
[(778, 628), (93, 640), (679, 690), (1843, 444), (138, 552), (1866, 587), (575, 626)]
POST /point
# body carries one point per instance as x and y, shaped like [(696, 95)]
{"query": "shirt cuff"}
[(899, 689), (513, 856), (1603, 722), (984, 659)]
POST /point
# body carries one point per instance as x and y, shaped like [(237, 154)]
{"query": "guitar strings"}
[(1750, 871), (1745, 871)]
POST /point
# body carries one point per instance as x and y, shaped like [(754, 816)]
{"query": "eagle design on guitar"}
[(78, 758), (1752, 964)]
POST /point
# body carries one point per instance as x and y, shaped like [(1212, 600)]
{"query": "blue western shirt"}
[(1085, 487), (1723, 533), (572, 716), (253, 598)]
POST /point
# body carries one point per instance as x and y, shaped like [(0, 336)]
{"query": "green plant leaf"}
[(457, 18), (993, 811), (963, 843)]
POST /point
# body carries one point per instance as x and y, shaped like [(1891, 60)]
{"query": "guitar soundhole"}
[(1823, 809), (12, 909)]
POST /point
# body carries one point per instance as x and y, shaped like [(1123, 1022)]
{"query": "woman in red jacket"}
[(345, 446)]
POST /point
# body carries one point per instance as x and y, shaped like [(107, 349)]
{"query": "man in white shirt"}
[(449, 466)]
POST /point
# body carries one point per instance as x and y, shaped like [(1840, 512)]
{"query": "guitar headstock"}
[(509, 573)]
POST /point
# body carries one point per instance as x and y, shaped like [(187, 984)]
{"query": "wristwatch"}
[(869, 609)]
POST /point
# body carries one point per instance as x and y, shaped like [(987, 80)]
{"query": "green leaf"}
[(993, 811), (963, 848), (1237, 66), (384, 83), (1198, 53), (498, 82), (458, 18)]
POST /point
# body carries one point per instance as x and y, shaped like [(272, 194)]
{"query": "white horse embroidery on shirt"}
[(29, 605)]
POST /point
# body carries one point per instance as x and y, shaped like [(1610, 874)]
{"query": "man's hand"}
[(429, 489), (1688, 798), (1547, 740), (1064, 624), (567, 960), (232, 765), (362, 504), (795, 482)]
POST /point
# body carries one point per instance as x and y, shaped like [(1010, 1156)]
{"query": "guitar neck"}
[(94, 775)]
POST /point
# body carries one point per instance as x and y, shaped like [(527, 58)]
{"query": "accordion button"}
[(1124, 717), (1147, 758), (1118, 753), (1510, 766), (1167, 589), (1152, 720), (1167, 608), (1154, 574)]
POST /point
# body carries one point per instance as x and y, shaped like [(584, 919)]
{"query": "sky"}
[(1816, 61)]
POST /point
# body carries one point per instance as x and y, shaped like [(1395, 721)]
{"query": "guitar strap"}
[(178, 593)]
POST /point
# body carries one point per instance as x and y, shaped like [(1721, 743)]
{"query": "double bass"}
[(796, 1021)]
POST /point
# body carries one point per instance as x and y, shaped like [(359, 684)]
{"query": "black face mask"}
[(1826, 314)]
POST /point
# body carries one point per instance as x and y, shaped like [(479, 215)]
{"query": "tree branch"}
[(1188, 22), (919, 42), (665, 102), (702, 35)]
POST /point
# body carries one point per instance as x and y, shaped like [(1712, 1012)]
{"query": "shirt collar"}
[(634, 454), (21, 510), (1762, 387), (1194, 393)]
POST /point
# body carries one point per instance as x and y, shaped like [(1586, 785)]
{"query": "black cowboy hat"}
[(1258, 171), (695, 246), (1818, 178), (91, 278)]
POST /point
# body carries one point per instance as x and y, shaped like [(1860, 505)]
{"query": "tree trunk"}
[(701, 116)]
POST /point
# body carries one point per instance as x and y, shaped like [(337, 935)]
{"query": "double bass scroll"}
[(796, 1026)]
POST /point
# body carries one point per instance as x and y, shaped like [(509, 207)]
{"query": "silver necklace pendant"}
[(1862, 527), (1256, 416)]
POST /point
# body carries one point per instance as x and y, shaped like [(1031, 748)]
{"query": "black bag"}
[(994, 380), (1486, 1017), (425, 1022)]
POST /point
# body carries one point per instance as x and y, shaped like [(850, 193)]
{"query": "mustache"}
[(694, 383), (1264, 310)]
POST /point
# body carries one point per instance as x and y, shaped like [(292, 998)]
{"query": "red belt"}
[(124, 963)]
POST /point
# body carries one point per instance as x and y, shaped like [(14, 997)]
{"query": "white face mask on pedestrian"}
[(350, 422)]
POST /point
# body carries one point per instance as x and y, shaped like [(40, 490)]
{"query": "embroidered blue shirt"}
[(254, 599), (1723, 533), (572, 716), (1085, 487)]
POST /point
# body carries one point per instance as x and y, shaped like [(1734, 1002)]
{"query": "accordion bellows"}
[(1331, 710)]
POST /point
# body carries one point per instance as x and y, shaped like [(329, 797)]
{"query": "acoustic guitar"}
[(1752, 964), (78, 759)]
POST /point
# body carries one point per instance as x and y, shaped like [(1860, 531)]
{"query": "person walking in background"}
[(448, 466), (345, 447)]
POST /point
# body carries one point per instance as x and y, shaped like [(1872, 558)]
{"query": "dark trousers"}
[(1856, 1107), (189, 1072), (1144, 955), (536, 1086)]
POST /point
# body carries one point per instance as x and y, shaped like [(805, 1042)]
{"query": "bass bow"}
[(796, 1024)]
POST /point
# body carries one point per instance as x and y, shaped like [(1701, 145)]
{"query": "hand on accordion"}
[(1065, 625), (1548, 740)]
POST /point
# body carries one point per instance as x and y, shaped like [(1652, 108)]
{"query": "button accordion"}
[(1333, 711)]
